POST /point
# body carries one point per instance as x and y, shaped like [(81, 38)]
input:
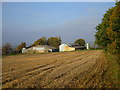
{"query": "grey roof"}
[(78, 46), (45, 46)]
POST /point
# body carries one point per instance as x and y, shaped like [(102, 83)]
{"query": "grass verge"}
[(111, 77)]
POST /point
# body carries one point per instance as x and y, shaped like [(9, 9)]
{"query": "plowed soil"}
[(79, 69)]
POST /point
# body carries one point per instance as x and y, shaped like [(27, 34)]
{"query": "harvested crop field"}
[(79, 69)]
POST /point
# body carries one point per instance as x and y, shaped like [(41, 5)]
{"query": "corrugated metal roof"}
[(45, 46), (77, 46)]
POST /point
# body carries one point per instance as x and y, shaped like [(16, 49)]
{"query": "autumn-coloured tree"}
[(19, 47), (41, 41), (113, 31), (108, 32), (54, 41), (80, 42), (7, 49)]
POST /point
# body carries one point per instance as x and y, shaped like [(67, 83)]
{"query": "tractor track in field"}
[(34, 68), (67, 69), (28, 72)]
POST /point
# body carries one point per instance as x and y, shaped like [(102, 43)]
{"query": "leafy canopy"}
[(54, 41), (41, 41), (6, 49), (80, 42), (108, 31)]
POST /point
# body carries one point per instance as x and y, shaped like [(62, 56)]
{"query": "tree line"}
[(108, 31), (51, 41)]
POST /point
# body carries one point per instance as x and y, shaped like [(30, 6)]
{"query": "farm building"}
[(38, 49), (78, 47), (66, 47)]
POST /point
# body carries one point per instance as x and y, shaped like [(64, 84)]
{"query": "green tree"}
[(19, 47), (80, 42), (41, 41), (7, 49), (108, 32), (54, 41)]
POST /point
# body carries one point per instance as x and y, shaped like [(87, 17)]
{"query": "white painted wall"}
[(61, 47)]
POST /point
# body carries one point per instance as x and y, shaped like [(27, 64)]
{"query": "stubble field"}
[(79, 69)]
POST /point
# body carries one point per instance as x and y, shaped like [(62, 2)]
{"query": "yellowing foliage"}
[(108, 32)]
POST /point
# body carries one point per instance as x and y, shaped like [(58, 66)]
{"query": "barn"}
[(38, 49), (78, 47), (72, 47), (66, 47)]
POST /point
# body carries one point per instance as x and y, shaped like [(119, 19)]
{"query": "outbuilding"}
[(66, 47), (38, 49), (78, 47)]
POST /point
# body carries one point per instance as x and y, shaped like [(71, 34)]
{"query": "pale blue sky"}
[(29, 21)]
